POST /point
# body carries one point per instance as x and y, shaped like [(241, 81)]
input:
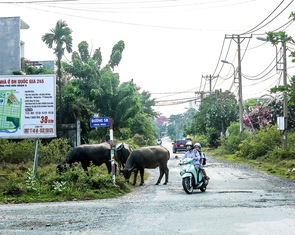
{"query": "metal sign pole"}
[(35, 170), (112, 152)]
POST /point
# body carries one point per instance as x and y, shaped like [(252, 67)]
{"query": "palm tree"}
[(62, 38)]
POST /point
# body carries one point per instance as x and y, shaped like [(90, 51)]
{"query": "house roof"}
[(24, 25)]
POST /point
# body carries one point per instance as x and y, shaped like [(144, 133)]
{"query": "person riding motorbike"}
[(200, 155), (191, 154), (159, 142)]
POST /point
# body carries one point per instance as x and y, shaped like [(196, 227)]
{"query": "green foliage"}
[(17, 151), (232, 141), (74, 183), (17, 72), (175, 126), (23, 151), (202, 139), (12, 188), (27, 69), (266, 140), (30, 180), (54, 152), (58, 187), (96, 90), (139, 140), (116, 55), (216, 111)]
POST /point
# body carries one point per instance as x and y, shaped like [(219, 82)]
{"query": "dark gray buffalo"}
[(86, 153), (147, 157), (121, 154)]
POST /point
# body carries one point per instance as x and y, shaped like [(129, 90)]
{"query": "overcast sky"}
[(169, 44)]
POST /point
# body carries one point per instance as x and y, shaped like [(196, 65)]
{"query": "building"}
[(11, 47)]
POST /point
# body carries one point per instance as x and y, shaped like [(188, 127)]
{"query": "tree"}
[(93, 89), (116, 55), (62, 38), (175, 126), (147, 102), (161, 122), (216, 111), (85, 68)]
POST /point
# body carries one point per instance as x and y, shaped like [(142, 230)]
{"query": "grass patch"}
[(18, 184), (278, 167)]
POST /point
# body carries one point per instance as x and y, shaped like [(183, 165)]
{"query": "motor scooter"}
[(192, 176)]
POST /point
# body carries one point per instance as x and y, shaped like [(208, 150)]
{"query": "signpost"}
[(106, 122)]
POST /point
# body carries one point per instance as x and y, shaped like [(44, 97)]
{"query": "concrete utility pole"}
[(237, 38), (285, 136), (285, 100), (210, 78), (241, 109)]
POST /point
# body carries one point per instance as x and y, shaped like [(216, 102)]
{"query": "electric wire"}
[(287, 24), (116, 22), (266, 88), (245, 49), (252, 77), (219, 61), (254, 84), (252, 30), (275, 16)]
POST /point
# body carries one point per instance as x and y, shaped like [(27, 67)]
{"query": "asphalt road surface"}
[(238, 200)]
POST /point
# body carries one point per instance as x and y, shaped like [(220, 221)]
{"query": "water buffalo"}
[(86, 153), (147, 157), (121, 154)]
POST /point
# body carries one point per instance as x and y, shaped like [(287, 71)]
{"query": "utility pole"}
[(285, 136), (241, 109), (237, 38), (210, 78), (285, 100)]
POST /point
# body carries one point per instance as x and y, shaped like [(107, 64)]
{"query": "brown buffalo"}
[(147, 157)]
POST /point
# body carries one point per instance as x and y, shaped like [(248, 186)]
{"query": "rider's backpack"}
[(204, 158)]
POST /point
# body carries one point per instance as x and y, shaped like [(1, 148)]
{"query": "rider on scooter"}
[(191, 154), (200, 155)]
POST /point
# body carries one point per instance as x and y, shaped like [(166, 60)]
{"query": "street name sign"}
[(99, 122)]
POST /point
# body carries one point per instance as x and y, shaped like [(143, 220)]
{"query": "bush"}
[(232, 141), (202, 139), (139, 140), (256, 146), (54, 152), (17, 152)]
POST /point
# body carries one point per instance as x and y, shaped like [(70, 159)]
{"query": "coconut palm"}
[(62, 38)]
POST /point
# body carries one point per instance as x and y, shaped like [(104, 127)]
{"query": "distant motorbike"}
[(192, 177), (159, 142)]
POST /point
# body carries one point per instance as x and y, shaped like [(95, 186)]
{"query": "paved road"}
[(238, 200)]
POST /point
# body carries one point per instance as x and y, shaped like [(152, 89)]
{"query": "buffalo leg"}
[(141, 177), (135, 177), (166, 175), (109, 166), (160, 177)]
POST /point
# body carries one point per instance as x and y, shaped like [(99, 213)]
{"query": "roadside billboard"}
[(27, 106)]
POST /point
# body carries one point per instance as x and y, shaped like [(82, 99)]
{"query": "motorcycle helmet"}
[(197, 145)]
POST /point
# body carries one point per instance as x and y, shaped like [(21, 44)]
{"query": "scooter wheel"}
[(203, 189), (186, 184)]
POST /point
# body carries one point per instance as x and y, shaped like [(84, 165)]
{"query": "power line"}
[(46, 1), (254, 28)]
